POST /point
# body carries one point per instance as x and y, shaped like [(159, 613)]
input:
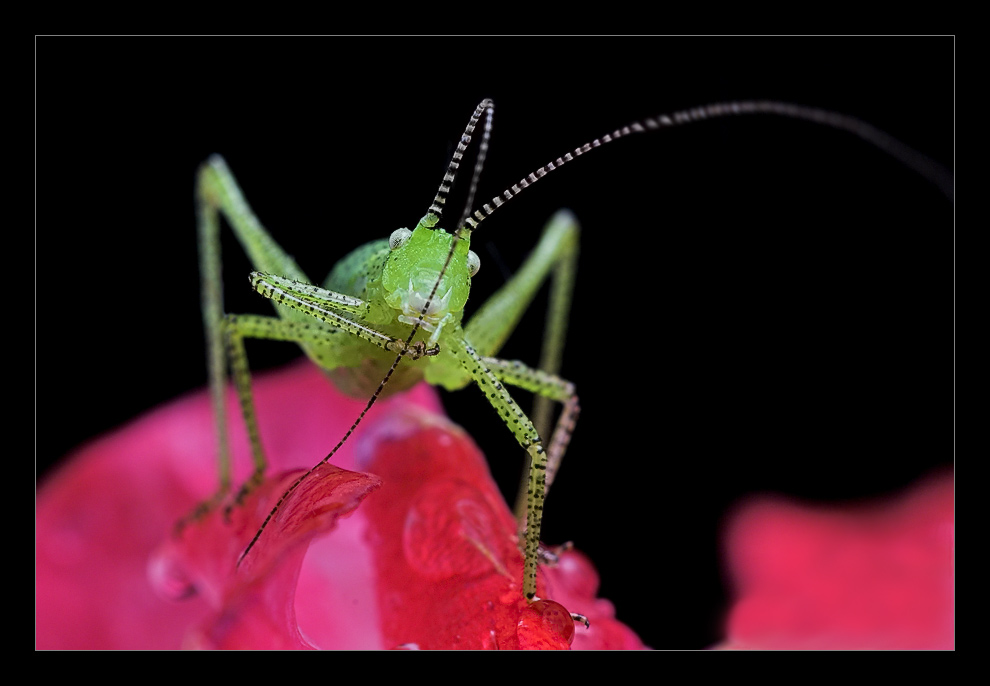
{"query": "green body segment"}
[(395, 285), (355, 324)]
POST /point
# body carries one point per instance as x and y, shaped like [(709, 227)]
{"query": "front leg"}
[(551, 388), (555, 256), (489, 374)]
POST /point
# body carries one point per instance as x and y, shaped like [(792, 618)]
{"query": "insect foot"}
[(252, 483), (550, 555), (201, 510), (414, 351)]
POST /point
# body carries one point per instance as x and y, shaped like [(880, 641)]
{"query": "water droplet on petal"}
[(545, 625)]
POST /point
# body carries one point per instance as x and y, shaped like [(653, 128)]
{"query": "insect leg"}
[(497, 318), (551, 388), (218, 193), (235, 328), (524, 431), (491, 326), (339, 311), (330, 330), (487, 373)]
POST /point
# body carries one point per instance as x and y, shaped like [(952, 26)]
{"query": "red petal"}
[(436, 565), (103, 513), (255, 600), (445, 545), (878, 578)]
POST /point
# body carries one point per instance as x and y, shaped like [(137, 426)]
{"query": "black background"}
[(762, 305)]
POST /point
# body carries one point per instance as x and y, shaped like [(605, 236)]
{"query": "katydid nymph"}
[(390, 314)]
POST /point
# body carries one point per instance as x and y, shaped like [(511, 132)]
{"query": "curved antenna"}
[(479, 163), (923, 165), (430, 220), (440, 199), (909, 157)]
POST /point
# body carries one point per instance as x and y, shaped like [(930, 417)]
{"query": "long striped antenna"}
[(909, 157), (914, 160), (440, 199), (479, 163), (906, 155), (899, 151), (430, 220)]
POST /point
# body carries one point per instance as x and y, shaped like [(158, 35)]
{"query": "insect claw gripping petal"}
[(244, 492), (550, 555), (200, 511)]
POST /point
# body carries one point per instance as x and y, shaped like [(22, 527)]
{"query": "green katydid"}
[(390, 313)]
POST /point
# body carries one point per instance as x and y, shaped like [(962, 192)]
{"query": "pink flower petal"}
[(854, 578), (115, 501), (449, 567), (427, 560), (256, 599)]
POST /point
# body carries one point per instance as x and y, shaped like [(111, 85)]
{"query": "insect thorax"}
[(396, 283)]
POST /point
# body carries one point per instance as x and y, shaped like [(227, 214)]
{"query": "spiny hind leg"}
[(217, 193), (233, 329)]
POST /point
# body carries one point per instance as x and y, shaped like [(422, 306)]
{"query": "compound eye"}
[(473, 263), (398, 238)]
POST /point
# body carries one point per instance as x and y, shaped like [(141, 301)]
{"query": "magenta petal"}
[(255, 601), (446, 551), (845, 578), (429, 558), (102, 514), (574, 584)]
